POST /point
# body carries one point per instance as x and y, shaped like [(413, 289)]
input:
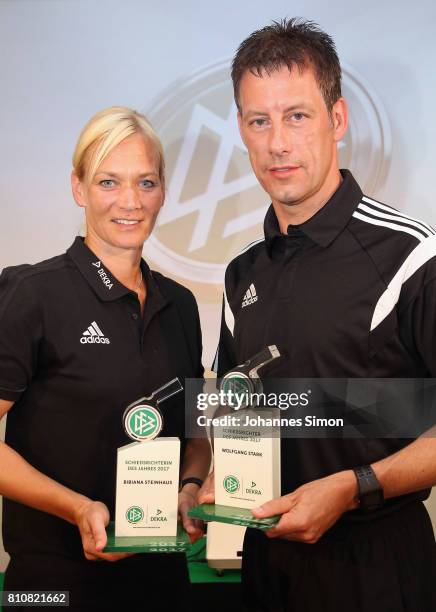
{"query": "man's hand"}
[(187, 500), (91, 518), (206, 495), (312, 509)]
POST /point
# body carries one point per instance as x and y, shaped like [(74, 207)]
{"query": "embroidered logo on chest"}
[(94, 335), (250, 296)]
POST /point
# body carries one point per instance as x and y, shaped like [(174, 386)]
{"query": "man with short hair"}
[(348, 286)]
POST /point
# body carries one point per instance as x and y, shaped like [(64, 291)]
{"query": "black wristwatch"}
[(193, 480), (370, 491)]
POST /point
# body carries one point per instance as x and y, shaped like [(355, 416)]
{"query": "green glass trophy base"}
[(147, 544), (232, 516)]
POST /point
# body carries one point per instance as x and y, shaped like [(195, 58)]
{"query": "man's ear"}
[(340, 118), (77, 189), (239, 116)]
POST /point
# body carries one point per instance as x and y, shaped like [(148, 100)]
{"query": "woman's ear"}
[(78, 190)]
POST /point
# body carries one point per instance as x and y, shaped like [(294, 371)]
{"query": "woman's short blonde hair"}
[(104, 131)]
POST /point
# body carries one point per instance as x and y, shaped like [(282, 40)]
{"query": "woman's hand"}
[(187, 500), (91, 518)]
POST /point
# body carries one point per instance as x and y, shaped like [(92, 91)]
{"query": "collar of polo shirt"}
[(328, 222), (99, 277)]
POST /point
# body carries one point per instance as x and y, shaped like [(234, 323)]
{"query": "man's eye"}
[(258, 122), (298, 116), (106, 183)]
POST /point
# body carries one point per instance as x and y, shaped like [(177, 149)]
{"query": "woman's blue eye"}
[(147, 183), (106, 183)]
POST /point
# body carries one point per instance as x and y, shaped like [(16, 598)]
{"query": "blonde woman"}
[(82, 335)]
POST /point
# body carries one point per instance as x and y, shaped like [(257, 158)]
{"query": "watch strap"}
[(370, 491), (191, 480)]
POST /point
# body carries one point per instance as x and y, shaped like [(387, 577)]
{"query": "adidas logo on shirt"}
[(94, 335), (250, 296)]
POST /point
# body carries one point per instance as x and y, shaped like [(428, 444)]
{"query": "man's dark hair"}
[(293, 43)]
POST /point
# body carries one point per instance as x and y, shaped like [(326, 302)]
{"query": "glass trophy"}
[(147, 482), (246, 460)]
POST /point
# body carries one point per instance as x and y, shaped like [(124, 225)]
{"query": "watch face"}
[(237, 384), (143, 422)]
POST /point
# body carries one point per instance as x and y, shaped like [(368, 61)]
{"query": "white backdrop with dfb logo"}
[(62, 60)]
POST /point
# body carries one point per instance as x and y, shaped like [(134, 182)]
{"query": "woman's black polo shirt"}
[(350, 293), (74, 353)]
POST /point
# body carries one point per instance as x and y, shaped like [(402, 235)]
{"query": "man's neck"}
[(299, 212)]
